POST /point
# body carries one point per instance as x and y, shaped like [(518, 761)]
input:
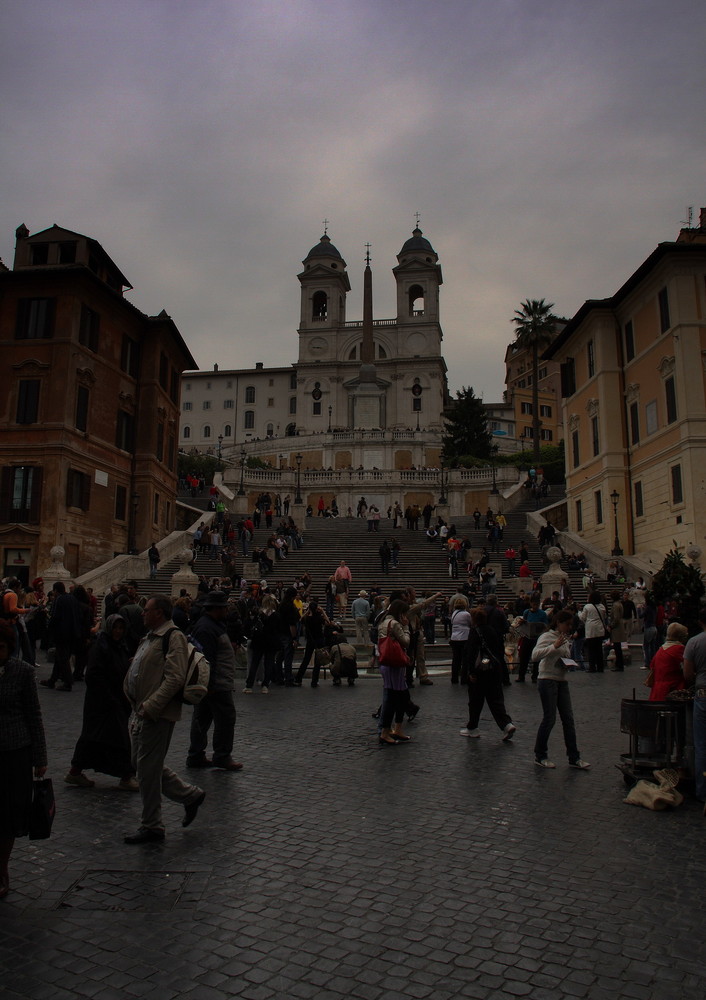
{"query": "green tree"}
[(466, 430), (677, 581), (534, 330)]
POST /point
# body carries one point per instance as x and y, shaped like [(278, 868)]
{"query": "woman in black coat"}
[(484, 659), (104, 743)]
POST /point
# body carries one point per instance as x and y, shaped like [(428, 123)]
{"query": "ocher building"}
[(634, 406), (89, 408)]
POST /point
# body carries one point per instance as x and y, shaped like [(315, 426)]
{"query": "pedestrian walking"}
[(153, 684)]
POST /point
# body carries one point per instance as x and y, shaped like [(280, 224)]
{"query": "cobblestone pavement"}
[(330, 867)]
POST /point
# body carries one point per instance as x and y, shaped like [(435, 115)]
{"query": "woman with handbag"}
[(594, 619), (483, 660), (23, 749), (393, 642)]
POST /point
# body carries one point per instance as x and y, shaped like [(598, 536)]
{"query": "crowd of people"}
[(134, 652)]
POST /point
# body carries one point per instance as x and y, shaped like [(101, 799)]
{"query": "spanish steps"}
[(422, 564)]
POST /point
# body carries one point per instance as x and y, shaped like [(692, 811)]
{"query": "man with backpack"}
[(217, 707), (153, 685)]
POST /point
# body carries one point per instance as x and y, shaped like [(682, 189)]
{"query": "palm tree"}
[(535, 327)]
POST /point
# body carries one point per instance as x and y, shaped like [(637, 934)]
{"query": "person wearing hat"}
[(360, 610), (217, 706)]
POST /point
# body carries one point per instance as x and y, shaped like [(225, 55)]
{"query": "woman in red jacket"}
[(667, 663)]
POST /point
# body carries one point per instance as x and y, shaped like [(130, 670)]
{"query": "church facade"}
[(363, 392)]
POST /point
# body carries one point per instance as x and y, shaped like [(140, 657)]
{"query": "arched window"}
[(290, 430), (250, 394), (416, 300), (227, 431), (207, 431), (380, 352), (186, 432), (249, 420), (319, 306), (270, 430)]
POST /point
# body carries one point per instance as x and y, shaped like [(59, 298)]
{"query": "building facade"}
[(384, 377), (90, 408), (634, 406), (518, 395)]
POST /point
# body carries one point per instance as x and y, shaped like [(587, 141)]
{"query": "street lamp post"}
[(493, 455), (220, 447), (298, 497), (614, 498), (443, 498), (243, 456), (330, 411)]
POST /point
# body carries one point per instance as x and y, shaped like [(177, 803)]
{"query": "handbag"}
[(322, 656), (485, 660), (649, 681), (391, 652), (43, 809)]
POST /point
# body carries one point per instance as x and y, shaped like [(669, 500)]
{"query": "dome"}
[(324, 248), (417, 244)]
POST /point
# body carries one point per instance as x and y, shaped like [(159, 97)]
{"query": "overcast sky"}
[(548, 146)]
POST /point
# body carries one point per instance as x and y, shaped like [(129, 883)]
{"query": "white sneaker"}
[(581, 765), (247, 690), (545, 763), (473, 733), (265, 689), (509, 731)]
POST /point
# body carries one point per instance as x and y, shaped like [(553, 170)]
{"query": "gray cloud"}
[(547, 145)]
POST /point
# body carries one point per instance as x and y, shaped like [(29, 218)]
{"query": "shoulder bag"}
[(391, 652)]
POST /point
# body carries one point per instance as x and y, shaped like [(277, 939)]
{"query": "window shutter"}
[(35, 502), (85, 491), (6, 482)]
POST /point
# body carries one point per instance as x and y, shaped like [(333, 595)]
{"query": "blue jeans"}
[(700, 747), (555, 696)]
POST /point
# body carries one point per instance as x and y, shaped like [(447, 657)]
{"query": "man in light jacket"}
[(153, 685)]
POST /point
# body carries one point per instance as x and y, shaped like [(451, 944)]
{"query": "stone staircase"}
[(421, 564)]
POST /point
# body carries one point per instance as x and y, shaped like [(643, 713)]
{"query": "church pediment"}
[(354, 383)]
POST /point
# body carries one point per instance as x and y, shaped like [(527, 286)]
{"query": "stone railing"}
[(128, 567)]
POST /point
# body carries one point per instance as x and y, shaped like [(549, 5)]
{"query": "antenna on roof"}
[(689, 216)]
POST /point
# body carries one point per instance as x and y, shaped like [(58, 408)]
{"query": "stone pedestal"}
[(57, 570), (555, 575), (251, 572), (185, 578)]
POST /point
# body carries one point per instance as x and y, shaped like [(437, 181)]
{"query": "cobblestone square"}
[(330, 867)]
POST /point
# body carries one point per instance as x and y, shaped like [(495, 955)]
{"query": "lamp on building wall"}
[(134, 504), (298, 497), (493, 456), (243, 456), (614, 498)]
